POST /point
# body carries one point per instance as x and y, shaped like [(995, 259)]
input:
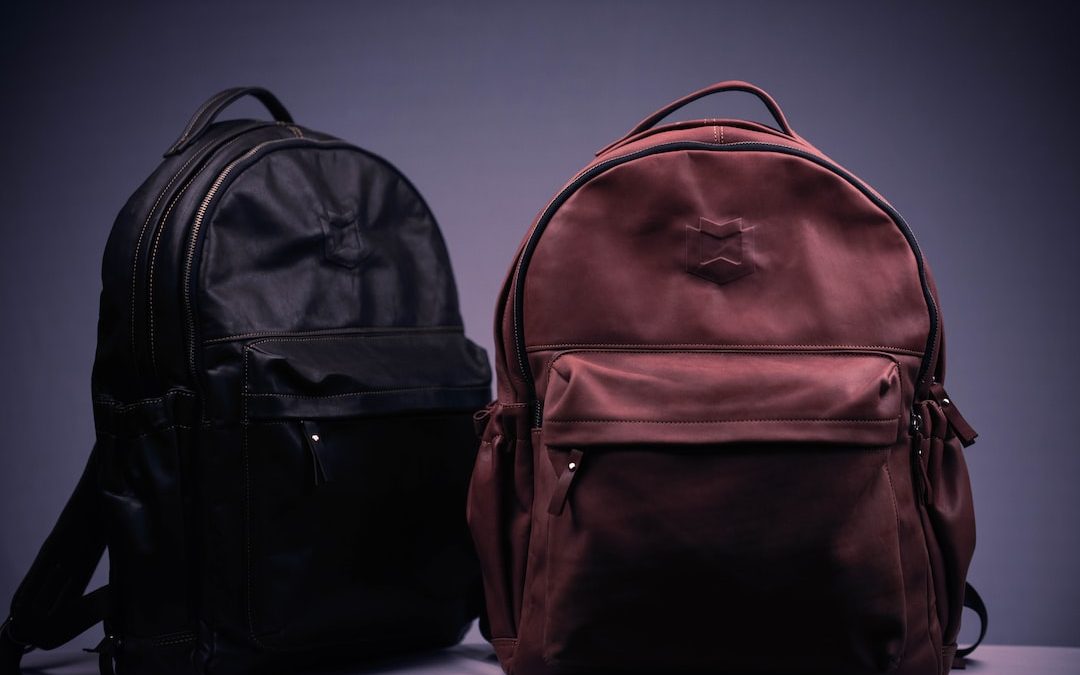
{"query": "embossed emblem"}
[(720, 252), (345, 244)]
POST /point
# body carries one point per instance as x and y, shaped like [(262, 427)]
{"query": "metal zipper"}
[(586, 175), (199, 154), (152, 262), (142, 233)]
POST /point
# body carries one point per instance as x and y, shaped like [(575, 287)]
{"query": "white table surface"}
[(474, 657)]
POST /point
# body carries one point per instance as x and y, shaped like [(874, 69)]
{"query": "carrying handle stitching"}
[(727, 85), (208, 112)]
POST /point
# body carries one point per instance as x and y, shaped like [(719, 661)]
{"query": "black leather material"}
[(205, 115), (283, 397)]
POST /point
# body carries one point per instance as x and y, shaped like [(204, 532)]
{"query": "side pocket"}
[(948, 500), (498, 511), (144, 468)]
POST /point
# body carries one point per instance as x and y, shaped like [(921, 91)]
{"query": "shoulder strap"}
[(49, 607), (973, 601)]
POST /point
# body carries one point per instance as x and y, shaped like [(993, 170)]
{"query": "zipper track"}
[(152, 262), (743, 146), (199, 154), (182, 178)]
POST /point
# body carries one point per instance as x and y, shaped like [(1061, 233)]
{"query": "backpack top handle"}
[(208, 112), (727, 85)]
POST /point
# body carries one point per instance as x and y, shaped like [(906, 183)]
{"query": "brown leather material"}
[(610, 397), (730, 85), (761, 453), (964, 431)]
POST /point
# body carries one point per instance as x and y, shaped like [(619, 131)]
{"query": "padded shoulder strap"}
[(49, 607)]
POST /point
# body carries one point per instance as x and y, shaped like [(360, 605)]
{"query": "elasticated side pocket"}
[(145, 463), (499, 515)]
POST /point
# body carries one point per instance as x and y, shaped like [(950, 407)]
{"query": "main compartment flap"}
[(709, 397)]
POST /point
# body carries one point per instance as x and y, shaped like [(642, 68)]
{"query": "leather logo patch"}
[(720, 252), (345, 245)]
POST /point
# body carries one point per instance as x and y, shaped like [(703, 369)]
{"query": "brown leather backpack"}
[(721, 442)]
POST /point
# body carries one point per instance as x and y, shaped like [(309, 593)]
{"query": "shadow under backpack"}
[(283, 400)]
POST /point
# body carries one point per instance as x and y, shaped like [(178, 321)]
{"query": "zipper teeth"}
[(199, 153), (599, 168), (138, 246), (151, 263)]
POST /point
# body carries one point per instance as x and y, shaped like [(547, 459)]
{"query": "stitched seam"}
[(244, 448), (721, 135), (764, 346), (716, 134), (372, 392), (157, 241), (144, 402), (311, 338), (147, 434), (199, 113), (554, 361), (165, 636), (359, 332), (899, 551), (828, 420), (173, 641)]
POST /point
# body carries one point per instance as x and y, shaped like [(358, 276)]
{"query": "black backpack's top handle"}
[(208, 112)]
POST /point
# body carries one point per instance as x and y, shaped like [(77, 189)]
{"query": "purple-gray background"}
[(962, 116)]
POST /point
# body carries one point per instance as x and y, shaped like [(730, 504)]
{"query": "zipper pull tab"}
[(106, 651), (562, 486), (960, 426), (921, 443), (312, 439)]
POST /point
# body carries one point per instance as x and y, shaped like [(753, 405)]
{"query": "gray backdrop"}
[(963, 116)]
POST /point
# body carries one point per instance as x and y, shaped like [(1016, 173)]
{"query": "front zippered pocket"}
[(357, 450), (709, 504)]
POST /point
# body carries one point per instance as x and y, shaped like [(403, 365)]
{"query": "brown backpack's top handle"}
[(728, 85), (208, 112)]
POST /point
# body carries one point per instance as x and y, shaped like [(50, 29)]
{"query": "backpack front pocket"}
[(357, 454), (731, 508)]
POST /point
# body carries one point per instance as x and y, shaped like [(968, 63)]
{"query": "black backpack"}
[(282, 398)]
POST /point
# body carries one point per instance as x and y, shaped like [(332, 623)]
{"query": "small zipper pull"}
[(106, 651), (916, 424), (562, 486), (921, 445), (312, 439), (964, 431)]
